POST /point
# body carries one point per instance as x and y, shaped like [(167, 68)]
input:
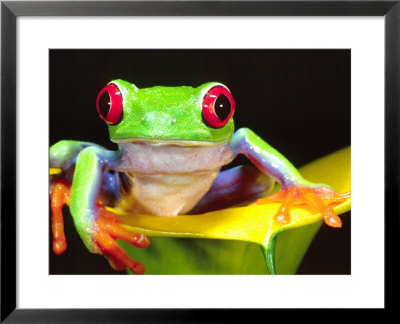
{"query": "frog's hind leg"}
[(60, 192), (235, 186)]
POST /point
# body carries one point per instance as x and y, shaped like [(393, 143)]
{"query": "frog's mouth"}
[(161, 142)]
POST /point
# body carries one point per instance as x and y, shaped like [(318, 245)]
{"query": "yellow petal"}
[(256, 223), (250, 223)]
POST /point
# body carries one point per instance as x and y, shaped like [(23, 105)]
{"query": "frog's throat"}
[(162, 158), (176, 142)]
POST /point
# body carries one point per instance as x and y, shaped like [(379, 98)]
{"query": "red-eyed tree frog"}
[(172, 142)]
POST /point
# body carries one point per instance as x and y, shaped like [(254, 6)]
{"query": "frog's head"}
[(201, 115)]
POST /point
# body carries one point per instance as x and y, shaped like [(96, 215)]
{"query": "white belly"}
[(166, 194), (168, 180)]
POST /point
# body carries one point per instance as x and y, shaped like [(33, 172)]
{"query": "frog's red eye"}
[(218, 106), (109, 104)]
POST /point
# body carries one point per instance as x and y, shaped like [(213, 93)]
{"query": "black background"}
[(296, 100)]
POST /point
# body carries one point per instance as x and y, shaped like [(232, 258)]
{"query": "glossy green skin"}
[(166, 113)]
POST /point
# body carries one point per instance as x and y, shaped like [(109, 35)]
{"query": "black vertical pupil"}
[(222, 107), (104, 103)]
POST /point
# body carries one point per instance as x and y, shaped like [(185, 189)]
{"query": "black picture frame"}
[(10, 10)]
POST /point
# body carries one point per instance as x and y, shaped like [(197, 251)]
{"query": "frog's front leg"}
[(98, 227), (294, 188), (62, 159)]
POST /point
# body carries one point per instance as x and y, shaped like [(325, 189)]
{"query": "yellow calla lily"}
[(255, 223)]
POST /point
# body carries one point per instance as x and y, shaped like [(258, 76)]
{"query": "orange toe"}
[(320, 199), (107, 230)]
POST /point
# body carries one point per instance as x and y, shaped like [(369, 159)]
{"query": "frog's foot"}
[(60, 191), (320, 199), (108, 228)]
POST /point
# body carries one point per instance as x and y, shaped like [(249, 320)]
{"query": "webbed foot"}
[(320, 199), (106, 230)]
